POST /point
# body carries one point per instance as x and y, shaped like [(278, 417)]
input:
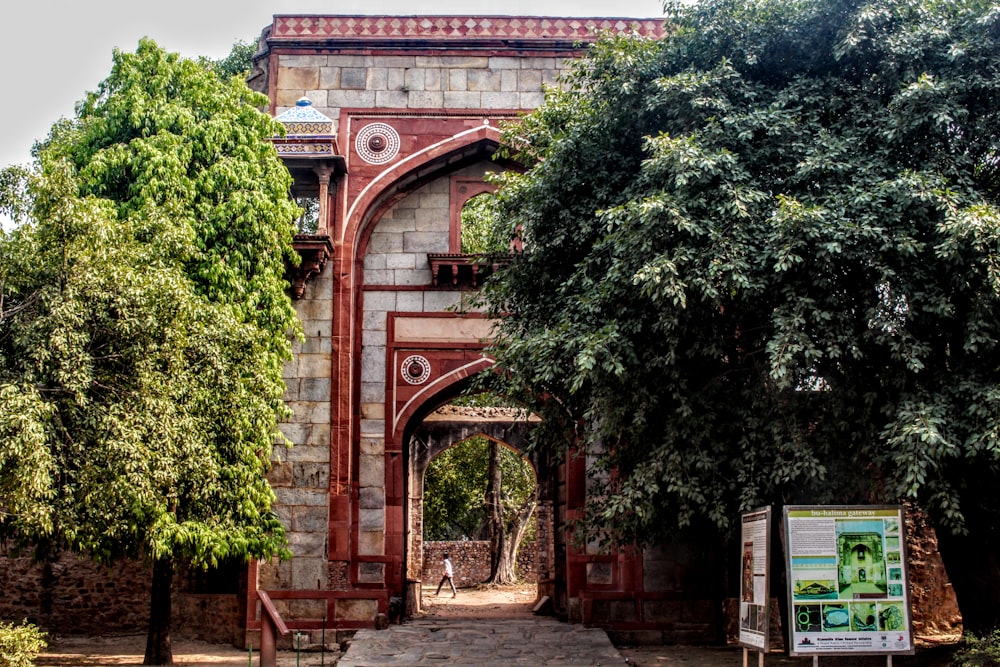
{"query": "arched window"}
[(477, 233)]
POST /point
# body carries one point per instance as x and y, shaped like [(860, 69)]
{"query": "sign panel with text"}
[(847, 580), (754, 566)]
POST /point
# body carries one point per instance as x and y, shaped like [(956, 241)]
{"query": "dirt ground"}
[(510, 602), (127, 650)]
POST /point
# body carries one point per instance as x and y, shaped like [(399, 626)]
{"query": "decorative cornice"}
[(465, 269), (381, 28)]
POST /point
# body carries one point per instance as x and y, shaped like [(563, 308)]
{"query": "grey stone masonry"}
[(335, 82), (300, 473)]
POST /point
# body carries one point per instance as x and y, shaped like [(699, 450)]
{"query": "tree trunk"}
[(158, 649), (494, 511), (507, 569), (505, 572), (505, 538), (972, 561)]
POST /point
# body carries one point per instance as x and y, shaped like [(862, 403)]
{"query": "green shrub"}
[(20, 644), (979, 651)]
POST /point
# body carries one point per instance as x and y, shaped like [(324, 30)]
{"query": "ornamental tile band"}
[(457, 27), (303, 149), (308, 128)]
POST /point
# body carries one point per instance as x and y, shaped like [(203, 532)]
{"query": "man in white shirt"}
[(448, 576)]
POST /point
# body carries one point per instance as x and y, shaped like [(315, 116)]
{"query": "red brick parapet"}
[(298, 27)]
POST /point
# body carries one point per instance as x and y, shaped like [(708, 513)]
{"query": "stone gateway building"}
[(392, 124)]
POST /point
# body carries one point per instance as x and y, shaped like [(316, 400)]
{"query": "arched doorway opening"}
[(431, 435), (479, 498)]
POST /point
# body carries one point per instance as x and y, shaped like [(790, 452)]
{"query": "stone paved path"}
[(536, 642)]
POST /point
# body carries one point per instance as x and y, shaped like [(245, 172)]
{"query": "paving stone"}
[(479, 643)]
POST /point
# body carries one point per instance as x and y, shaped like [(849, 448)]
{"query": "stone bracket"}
[(462, 269), (315, 250)]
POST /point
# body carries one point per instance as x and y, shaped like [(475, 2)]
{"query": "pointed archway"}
[(429, 434)]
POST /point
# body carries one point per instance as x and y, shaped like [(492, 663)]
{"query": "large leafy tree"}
[(144, 323), (761, 265)]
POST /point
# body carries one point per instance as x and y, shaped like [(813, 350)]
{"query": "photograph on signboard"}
[(847, 580), (861, 558), (747, 591)]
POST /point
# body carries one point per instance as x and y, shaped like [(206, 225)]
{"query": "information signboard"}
[(754, 566), (847, 580)]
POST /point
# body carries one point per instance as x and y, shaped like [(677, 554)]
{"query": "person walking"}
[(449, 575)]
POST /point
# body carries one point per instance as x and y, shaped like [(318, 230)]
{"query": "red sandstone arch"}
[(409, 173), (431, 396)]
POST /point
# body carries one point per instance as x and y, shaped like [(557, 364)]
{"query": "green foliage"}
[(238, 63), (760, 262), (20, 644), (478, 224), (978, 651), (13, 197), (144, 322), (455, 488), (308, 222)]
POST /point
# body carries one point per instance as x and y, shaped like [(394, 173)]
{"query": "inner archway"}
[(447, 428), (479, 501)]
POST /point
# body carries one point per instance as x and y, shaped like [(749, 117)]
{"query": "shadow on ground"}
[(471, 603)]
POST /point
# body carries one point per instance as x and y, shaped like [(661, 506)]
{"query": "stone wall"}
[(335, 82), (71, 595), (300, 475), (75, 596), (470, 560), (210, 618)]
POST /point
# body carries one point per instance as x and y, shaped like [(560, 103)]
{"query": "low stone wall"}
[(470, 561), (207, 617), (72, 595)]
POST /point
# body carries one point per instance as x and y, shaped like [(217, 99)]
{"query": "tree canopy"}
[(761, 265), (238, 63), (455, 489), (144, 322)]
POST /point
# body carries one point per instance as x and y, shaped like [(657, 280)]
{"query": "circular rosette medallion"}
[(377, 143), (415, 369)]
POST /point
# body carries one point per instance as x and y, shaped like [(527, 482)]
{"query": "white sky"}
[(53, 52)]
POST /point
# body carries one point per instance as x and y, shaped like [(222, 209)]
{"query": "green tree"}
[(478, 227), (238, 63), (454, 484), (760, 265), (480, 489), (144, 324)]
